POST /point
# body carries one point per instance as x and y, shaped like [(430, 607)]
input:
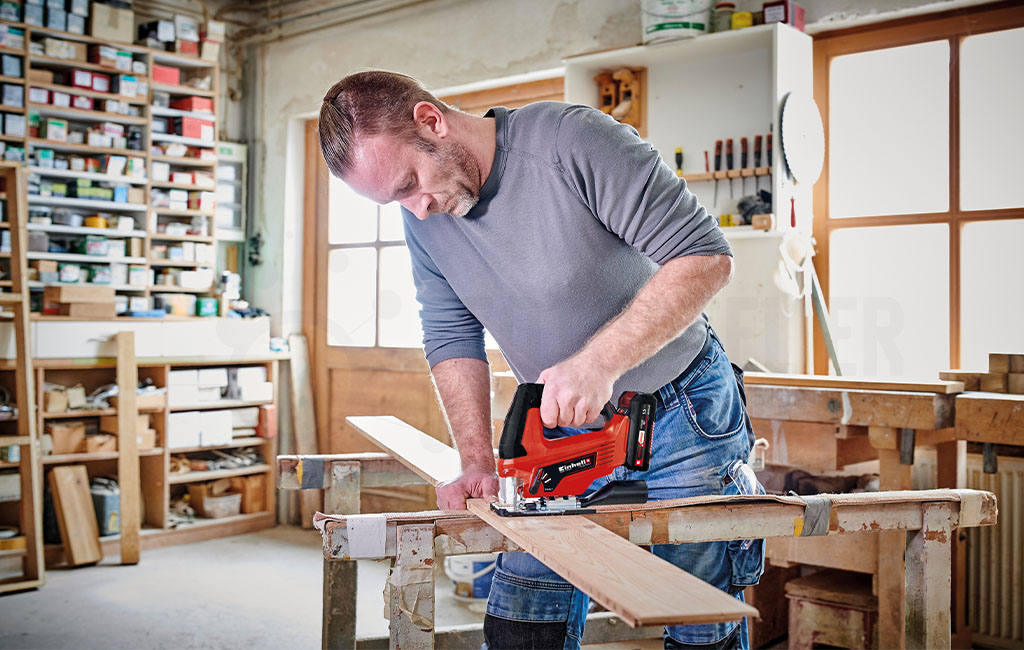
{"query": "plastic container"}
[(721, 17), (665, 20), (471, 575), (226, 505)]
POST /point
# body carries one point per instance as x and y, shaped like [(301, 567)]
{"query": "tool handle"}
[(718, 155), (527, 397), (757, 151), (707, 165), (744, 150), (769, 146), (728, 153)]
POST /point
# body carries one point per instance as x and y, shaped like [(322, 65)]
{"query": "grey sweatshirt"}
[(574, 218)]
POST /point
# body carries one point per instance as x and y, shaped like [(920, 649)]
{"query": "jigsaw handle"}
[(527, 397)]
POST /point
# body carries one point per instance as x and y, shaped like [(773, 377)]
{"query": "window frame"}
[(952, 26)]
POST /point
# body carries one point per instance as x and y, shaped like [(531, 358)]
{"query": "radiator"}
[(995, 554)]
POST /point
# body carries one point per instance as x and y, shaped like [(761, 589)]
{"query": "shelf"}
[(183, 161), (73, 415), (171, 288), (86, 203), (81, 38), (192, 142), (12, 138), (33, 284), (182, 90), (58, 459), (165, 111), (11, 80), (178, 263), (194, 477), (203, 239), (95, 176), (6, 465), (235, 444), (725, 174), (84, 148), (183, 186), (73, 63), (82, 230), (182, 213), (74, 90), (74, 257), (81, 114), (181, 61), (220, 404)]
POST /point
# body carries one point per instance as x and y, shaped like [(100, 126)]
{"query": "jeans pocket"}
[(712, 401), (517, 598), (746, 555)]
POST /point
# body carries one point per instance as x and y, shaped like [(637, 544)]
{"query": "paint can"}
[(471, 575), (671, 19)]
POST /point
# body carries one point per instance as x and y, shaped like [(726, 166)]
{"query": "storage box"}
[(188, 48), (83, 293), (13, 95), (183, 378), (60, 99), (145, 440), (101, 82), (100, 442), (14, 125), (55, 400), (178, 395), (81, 79), (11, 65), (213, 507), (82, 103), (245, 418), (215, 428), (194, 104), (76, 24), (109, 424), (51, 128), (68, 437), (40, 75), (158, 30), (253, 490), (260, 392), (38, 95), (147, 401), (212, 377), (210, 51), (183, 430), (88, 310), (186, 28), (111, 24), (163, 74), (57, 19), (209, 394)]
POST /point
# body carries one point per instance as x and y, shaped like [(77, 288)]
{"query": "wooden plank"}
[(303, 418), (128, 472), (428, 457), (813, 445), (897, 409), (991, 418), (638, 586), (853, 383), (76, 518)]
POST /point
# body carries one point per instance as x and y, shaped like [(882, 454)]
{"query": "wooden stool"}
[(832, 607)]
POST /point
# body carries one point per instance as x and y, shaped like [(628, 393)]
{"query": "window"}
[(920, 210)]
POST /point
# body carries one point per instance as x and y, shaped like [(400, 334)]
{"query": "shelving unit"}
[(150, 219)]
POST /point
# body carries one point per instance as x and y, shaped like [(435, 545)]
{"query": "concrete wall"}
[(444, 43)]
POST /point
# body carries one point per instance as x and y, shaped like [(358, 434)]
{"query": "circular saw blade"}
[(803, 137)]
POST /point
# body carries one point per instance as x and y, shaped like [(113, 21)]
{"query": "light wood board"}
[(638, 586), (852, 383), (303, 418), (127, 447), (76, 518), (428, 457), (990, 417)]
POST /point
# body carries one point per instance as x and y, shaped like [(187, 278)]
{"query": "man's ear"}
[(430, 121)]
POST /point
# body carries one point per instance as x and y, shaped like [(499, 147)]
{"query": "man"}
[(590, 262)]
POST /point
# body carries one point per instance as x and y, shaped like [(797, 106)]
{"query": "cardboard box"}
[(194, 104), (60, 99), (103, 55), (183, 430), (68, 437), (100, 442), (38, 95), (209, 394), (246, 418), (108, 423), (101, 82), (261, 392), (163, 74), (81, 79), (253, 490), (213, 503), (193, 127), (212, 377), (55, 400), (13, 95), (76, 24), (215, 428), (82, 293), (42, 76), (188, 48), (82, 102), (186, 28), (57, 19), (111, 24), (182, 395), (183, 378), (146, 401), (88, 309), (146, 440), (210, 51)]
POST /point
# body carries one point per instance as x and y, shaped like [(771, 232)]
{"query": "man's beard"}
[(461, 199)]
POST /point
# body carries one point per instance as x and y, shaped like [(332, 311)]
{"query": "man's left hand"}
[(575, 392)]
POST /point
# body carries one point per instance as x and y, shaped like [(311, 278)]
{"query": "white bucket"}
[(471, 575), (670, 19)]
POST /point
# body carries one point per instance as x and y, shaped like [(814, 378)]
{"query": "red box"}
[(81, 79), (193, 127), (101, 82), (83, 103), (186, 47), (267, 426), (163, 74), (784, 11), (195, 104)]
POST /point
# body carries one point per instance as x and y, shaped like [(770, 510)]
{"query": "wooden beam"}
[(69, 485), (988, 417), (638, 586), (851, 407), (127, 447), (852, 383), (303, 418)]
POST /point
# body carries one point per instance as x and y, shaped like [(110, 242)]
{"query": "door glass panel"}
[(991, 107), (391, 222), (352, 218), (399, 311), (991, 298), (889, 131), (351, 296), (889, 299)]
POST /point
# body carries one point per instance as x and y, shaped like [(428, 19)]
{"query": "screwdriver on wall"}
[(718, 167), (757, 161), (744, 150), (768, 160), (728, 161)]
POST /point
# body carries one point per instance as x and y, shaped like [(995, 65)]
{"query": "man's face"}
[(425, 177)]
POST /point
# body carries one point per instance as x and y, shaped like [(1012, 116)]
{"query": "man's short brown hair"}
[(368, 103)]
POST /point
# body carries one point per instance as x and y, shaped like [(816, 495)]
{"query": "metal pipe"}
[(258, 34)]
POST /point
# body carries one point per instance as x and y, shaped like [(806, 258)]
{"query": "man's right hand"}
[(452, 495)]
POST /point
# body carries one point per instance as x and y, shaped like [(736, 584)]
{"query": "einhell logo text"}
[(576, 465)]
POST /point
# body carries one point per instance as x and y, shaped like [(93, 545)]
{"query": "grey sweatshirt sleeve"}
[(631, 190), (450, 330)]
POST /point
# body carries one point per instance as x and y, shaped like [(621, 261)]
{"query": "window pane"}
[(889, 299), (991, 140), (399, 312), (352, 218), (351, 296), (889, 131), (991, 299), (391, 222)]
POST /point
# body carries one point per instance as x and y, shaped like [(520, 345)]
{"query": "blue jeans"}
[(700, 446)]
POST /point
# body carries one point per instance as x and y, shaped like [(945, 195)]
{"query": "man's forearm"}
[(669, 303), (464, 388)]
